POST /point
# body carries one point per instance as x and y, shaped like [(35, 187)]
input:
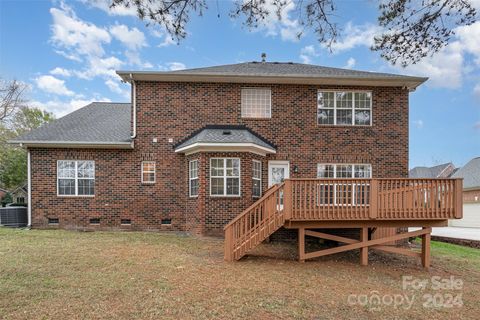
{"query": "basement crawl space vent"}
[(166, 221), (52, 220), (226, 132), (126, 221), (95, 221)]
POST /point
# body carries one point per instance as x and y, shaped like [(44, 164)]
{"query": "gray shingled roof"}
[(283, 69), (470, 174), (98, 122), (428, 172), (225, 134)]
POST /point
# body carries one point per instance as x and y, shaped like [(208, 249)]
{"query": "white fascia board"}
[(225, 147)]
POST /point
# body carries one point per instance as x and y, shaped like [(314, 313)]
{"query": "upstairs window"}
[(257, 179), (75, 178), (346, 108), (148, 172), (225, 177), (256, 103), (193, 178)]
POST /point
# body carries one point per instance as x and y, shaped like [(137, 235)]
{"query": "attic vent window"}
[(227, 132)]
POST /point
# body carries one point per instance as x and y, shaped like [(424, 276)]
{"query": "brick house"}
[(196, 147)]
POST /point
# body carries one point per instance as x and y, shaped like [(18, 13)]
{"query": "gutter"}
[(73, 144), (134, 107)]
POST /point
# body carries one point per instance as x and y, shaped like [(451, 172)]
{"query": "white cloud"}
[(114, 86), (287, 28), (53, 85), (61, 108), (118, 10), (61, 72), (350, 63), (133, 58), (476, 91), (418, 124), (444, 69), (76, 36), (104, 67), (307, 53), (173, 66), (447, 68), (355, 36), (133, 39)]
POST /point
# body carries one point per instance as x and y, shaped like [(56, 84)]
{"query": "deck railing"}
[(255, 224), (380, 199)]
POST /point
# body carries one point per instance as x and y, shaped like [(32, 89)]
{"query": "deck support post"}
[(426, 247), (301, 244), (364, 250)]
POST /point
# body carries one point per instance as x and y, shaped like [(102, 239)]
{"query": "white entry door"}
[(278, 171)]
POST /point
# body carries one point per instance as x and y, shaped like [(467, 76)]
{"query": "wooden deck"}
[(365, 204)]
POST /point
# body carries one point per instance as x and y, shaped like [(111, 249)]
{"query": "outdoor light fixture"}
[(295, 169)]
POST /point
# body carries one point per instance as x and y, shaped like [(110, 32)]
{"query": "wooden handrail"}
[(255, 224), (267, 193)]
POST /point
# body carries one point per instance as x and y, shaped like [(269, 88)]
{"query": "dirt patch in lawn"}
[(103, 275)]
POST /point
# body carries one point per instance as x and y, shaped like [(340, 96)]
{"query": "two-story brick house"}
[(196, 147)]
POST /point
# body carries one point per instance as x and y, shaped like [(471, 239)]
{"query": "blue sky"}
[(68, 51)]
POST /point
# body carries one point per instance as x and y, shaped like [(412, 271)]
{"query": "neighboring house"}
[(441, 171), (20, 195), (471, 194), (197, 147)]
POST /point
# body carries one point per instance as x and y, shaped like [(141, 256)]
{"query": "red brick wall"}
[(175, 110), (471, 196)]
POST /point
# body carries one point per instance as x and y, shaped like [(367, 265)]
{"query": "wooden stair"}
[(255, 224)]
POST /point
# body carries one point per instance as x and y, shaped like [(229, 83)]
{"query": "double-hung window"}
[(344, 193), (75, 178), (225, 177), (256, 179), (148, 171), (193, 178), (256, 103), (346, 108)]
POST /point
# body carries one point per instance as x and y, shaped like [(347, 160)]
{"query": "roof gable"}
[(470, 174)]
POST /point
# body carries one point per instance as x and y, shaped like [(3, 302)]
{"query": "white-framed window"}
[(256, 179), (225, 177), (148, 171), (193, 178), (256, 103), (75, 178), (346, 108), (338, 193)]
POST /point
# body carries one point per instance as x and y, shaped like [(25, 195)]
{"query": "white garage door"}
[(471, 216)]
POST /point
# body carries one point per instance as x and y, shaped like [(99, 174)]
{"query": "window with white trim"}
[(148, 171), (346, 193), (345, 108), (193, 178), (256, 179), (225, 177), (75, 178), (256, 103)]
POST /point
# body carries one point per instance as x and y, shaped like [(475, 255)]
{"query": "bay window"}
[(256, 179), (193, 178), (225, 177)]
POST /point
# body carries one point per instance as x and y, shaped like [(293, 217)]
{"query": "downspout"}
[(29, 190), (134, 107)]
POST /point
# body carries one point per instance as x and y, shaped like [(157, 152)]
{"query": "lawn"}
[(131, 275)]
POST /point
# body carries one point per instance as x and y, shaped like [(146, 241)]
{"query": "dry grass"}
[(105, 275)]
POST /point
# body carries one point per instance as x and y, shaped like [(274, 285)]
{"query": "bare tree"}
[(413, 28), (10, 98)]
